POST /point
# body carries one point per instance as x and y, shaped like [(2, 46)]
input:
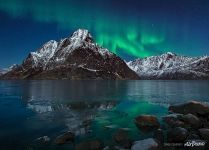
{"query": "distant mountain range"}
[(5, 70), (79, 57), (76, 57), (171, 66)]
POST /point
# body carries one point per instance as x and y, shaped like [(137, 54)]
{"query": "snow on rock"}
[(40, 108), (79, 36), (104, 52), (83, 67), (44, 54), (145, 144)]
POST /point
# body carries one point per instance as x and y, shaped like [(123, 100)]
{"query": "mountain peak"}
[(52, 44), (81, 35), (170, 53)]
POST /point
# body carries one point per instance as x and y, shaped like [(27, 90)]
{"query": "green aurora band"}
[(117, 31)]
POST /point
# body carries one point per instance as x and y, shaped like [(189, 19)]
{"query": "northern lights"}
[(129, 28)]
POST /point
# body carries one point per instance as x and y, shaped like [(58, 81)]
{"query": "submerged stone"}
[(146, 144), (67, 137), (147, 122), (121, 138), (95, 144), (43, 139)]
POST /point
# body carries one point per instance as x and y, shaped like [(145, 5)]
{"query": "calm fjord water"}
[(32, 109)]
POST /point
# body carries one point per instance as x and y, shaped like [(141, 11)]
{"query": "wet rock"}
[(147, 122), (80, 131), (112, 148), (192, 107), (90, 145), (173, 120), (112, 126), (158, 135), (125, 129), (115, 148), (87, 123), (43, 139), (177, 134), (191, 120), (204, 133), (67, 137), (121, 137), (185, 121), (193, 136), (205, 124), (146, 144), (107, 106)]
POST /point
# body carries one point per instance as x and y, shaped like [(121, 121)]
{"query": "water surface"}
[(32, 109)]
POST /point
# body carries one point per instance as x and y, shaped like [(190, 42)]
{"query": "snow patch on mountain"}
[(89, 69)]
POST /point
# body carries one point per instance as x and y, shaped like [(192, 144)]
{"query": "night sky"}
[(129, 28)]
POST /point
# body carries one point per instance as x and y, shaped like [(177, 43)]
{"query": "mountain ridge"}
[(171, 66), (79, 57)]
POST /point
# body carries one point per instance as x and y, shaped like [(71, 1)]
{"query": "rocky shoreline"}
[(185, 127)]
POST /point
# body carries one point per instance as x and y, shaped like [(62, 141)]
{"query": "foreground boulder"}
[(147, 122), (177, 134), (146, 144), (191, 120), (192, 107), (121, 138), (158, 136), (179, 120), (95, 144), (173, 120), (67, 137), (204, 133)]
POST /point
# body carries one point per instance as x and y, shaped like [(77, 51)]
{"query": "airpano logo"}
[(195, 143)]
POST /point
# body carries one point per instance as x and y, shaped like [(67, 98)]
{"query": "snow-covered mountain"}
[(75, 57), (171, 66), (5, 70)]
